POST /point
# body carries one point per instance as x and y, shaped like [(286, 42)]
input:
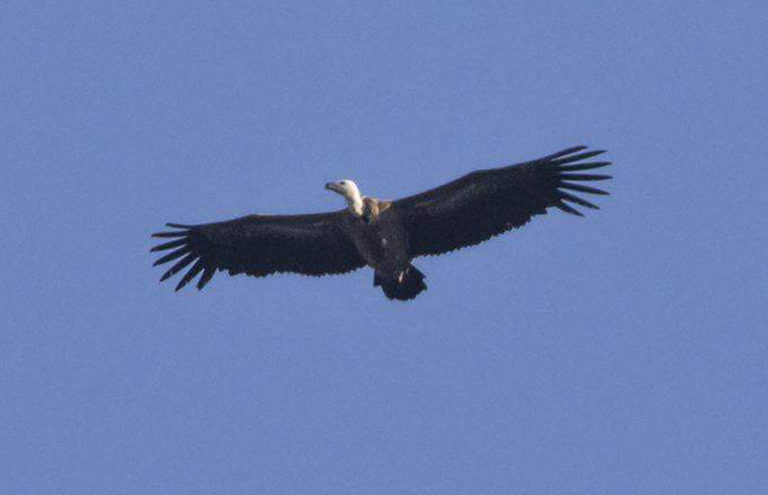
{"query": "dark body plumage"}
[(385, 235), (381, 239)]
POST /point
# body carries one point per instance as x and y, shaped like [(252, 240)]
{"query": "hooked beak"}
[(332, 186)]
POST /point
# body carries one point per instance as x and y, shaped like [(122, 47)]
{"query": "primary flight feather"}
[(385, 235)]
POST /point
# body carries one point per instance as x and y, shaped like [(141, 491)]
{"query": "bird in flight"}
[(385, 235)]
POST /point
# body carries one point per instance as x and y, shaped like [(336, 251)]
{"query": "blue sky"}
[(620, 353)]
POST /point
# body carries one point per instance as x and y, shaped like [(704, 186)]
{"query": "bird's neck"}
[(355, 203)]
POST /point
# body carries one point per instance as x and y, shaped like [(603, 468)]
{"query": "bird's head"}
[(346, 188)]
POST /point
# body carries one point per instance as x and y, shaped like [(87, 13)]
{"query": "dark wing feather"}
[(260, 245), (486, 203)]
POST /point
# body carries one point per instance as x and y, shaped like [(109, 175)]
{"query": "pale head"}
[(346, 188), (351, 193)]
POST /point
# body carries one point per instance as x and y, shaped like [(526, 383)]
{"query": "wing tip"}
[(563, 167), (190, 254), (566, 197), (564, 152), (169, 245), (583, 189), (560, 205), (572, 155), (184, 230), (206, 277), (585, 177)]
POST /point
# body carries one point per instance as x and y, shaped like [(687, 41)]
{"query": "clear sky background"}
[(625, 352)]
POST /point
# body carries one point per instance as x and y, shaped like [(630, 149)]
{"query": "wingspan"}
[(486, 203), (259, 245)]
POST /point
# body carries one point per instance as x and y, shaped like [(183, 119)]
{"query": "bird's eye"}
[(343, 183)]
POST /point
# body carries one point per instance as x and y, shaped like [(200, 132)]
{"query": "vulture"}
[(385, 235)]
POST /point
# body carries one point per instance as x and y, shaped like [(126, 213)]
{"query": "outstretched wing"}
[(260, 245), (486, 203)]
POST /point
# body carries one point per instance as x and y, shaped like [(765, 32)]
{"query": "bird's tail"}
[(404, 288)]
